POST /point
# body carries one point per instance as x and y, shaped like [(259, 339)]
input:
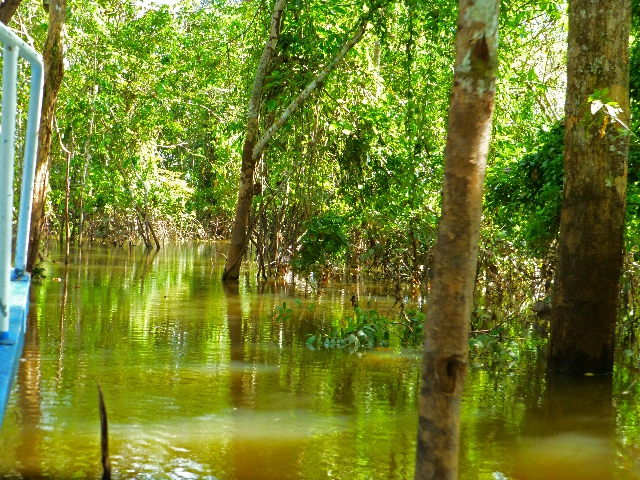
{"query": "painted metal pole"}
[(29, 168), (14, 46), (7, 151), (8, 37)]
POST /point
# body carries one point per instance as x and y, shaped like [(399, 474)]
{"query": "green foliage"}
[(632, 221), (525, 198), (368, 328), (282, 313), (634, 76), (154, 109), (494, 344), (154, 106), (322, 244)]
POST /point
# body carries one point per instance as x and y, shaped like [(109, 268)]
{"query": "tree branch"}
[(257, 150)]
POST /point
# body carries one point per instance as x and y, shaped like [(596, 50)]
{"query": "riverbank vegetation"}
[(327, 140), (151, 115)]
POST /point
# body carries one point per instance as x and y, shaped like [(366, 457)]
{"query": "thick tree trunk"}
[(53, 56), (245, 192), (446, 347), (8, 9), (590, 249)]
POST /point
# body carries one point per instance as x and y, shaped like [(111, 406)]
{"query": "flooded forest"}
[(305, 239)]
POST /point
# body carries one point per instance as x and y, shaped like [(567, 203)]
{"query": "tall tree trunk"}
[(67, 188), (87, 148), (590, 249), (83, 179), (232, 267), (53, 56), (446, 347), (8, 9), (245, 192), (66, 234)]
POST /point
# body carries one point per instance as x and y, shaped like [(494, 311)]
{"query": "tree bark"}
[(245, 191), (53, 56), (446, 347), (590, 248), (8, 9)]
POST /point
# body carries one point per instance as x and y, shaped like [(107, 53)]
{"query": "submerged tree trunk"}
[(590, 249), (232, 267), (446, 347), (53, 56), (67, 188), (245, 192)]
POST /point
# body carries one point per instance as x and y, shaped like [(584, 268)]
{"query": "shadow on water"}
[(258, 433), (523, 423), (202, 381), (570, 434), (28, 409), (236, 341)]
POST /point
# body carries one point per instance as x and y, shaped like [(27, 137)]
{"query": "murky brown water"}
[(200, 382)]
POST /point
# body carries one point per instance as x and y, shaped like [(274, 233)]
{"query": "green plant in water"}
[(369, 328), (282, 313), (38, 272), (494, 344)]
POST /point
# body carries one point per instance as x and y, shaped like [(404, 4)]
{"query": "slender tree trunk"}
[(83, 180), (66, 233), (232, 267), (445, 361), (245, 192), (67, 185), (8, 9), (590, 249), (53, 56), (87, 154)]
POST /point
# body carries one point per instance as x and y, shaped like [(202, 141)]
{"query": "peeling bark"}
[(590, 248), (446, 348)]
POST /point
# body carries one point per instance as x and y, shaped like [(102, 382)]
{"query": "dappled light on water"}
[(204, 381)]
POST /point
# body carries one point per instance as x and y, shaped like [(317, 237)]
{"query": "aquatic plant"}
[(281, 313), (368, 328)]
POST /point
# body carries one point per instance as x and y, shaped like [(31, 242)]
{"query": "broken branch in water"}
[(104, 434)]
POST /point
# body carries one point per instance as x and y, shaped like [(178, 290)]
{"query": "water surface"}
[(201, 382)]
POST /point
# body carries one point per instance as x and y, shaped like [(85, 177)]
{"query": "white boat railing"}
[(15, 47)]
